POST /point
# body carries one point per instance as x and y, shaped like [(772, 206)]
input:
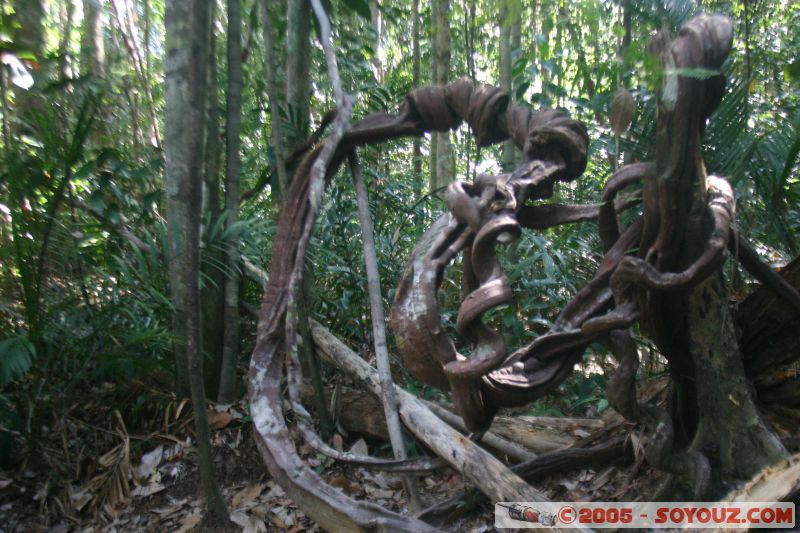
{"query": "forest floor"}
[(90, 479)]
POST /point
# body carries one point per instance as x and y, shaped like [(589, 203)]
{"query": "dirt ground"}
[(123, 482)]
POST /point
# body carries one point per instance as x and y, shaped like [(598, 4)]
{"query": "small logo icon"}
[(567, 514), (529, 514)]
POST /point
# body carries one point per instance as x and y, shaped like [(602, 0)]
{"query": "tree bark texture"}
[(270, 66), (93, 55), (230, 347), (443, 165), (509, 20), (213, 274), (378, 316), (298, 62), (187, 34), (415, 79)]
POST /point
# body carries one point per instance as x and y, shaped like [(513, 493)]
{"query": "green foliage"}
[(81, 304), (16, 358)]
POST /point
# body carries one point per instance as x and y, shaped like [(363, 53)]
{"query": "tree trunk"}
[(67, 15), (377, 59), (443, 163), (298, 88), (730, 432), (379, 332), (29, 37), (212, 290), (298, 57), (146, 41), (230, 348), (509, 21), (186, 25), (93, 54), (714, 434), (177, 157), (270, 65), (435, 6), (415, 80)]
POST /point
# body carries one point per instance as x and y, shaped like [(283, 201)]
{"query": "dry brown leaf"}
[(254, 525), (239, 518), (283, 516), (150, 462), (338, 442), (176, 506), (180, 409), (275, 491), (261, 511), (247, 495), (455, 482), (381, 494), (217, 420), (78, 497), (623, 107), (343, 483), (602, 479), (147, 490)]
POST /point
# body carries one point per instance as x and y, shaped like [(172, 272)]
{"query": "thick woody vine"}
[(661, 274)]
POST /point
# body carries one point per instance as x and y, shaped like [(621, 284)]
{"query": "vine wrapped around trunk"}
[(663, 272)]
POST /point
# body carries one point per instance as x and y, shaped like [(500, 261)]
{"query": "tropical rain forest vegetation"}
[(352, 265)]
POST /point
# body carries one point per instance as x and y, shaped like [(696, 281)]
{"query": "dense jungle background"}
[(146, 157)]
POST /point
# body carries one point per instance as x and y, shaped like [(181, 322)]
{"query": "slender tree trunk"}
[(469, 37), (516, 41), (415, 79), (212, 291), (627, 26), (298, 57), (432, 166), (445, 171), (379, 332), (506, 20), (177, 156), (68, 15), (298, 88), (186, 24), (93, 52), (377, 21), (146, 41), (230, 347), (93, 62), (274, 101)]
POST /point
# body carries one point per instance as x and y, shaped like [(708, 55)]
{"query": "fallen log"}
[(477, 465), (768, 325), (508, 448), (543, 434), (359, 411), (777, 483), (616, 452)]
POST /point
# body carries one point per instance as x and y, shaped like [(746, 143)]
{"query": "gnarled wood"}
[(476, 464)]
